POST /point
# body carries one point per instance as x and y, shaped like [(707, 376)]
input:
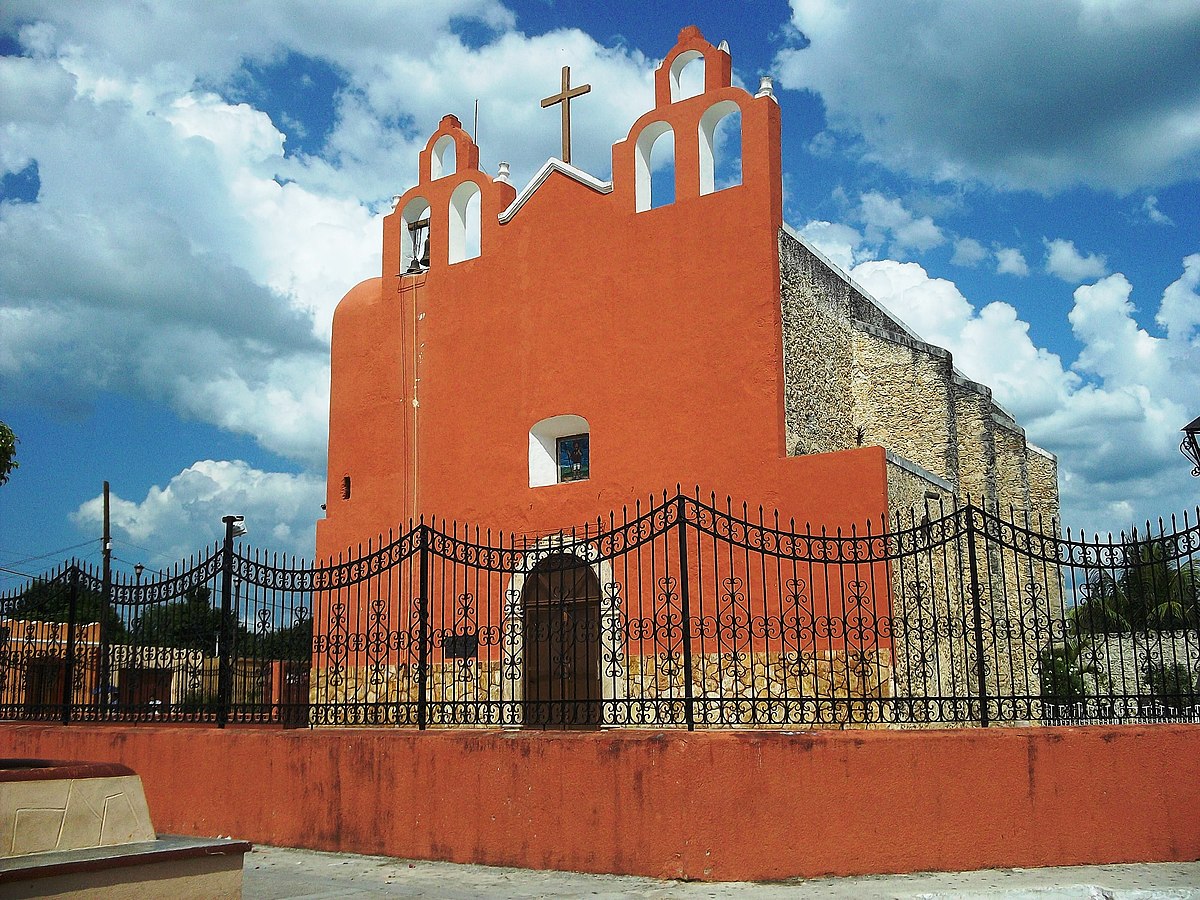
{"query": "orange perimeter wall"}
[(713, 806)]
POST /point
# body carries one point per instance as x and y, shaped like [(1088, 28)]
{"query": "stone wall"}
[(902, 399), (818, 359), (830, 688), (854, 375)]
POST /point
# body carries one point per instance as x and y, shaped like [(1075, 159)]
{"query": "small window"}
[(573, 458), (345, 487), (549, 458)]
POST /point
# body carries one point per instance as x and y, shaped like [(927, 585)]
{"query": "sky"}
[(188, 189)]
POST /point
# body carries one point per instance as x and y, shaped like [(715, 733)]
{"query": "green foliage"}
[(50, 601), (189, 623), (1172, 684), (1152, 593), (8, 452), (1062, 672), (293, 642)]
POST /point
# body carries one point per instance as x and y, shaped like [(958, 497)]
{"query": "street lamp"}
[(1189, 446), (235, 526)]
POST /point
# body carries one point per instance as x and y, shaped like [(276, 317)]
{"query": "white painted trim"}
[(440, 166), (553, 165), (709, 122)]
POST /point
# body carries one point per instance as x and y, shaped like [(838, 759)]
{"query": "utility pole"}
[(105, 679), (107, 539)]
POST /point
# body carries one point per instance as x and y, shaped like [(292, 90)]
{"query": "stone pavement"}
[(275, 873)]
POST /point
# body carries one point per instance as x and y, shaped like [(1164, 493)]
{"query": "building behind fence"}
[(683, 614)]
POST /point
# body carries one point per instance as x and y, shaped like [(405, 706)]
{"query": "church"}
[(603, 454), (527, 361)]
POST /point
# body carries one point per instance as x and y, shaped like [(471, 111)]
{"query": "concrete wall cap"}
[(920, 471), (553, 165)]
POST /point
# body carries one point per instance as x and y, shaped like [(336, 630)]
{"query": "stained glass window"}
[(573, 458)]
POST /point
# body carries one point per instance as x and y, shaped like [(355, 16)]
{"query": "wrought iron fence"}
[(682, 613)]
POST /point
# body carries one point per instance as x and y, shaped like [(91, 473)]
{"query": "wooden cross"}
[(564, 97)]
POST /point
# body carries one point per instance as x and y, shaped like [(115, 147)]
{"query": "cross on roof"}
[(564, 97)]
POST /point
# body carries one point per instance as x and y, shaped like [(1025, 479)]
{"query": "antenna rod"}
[(475, 127)]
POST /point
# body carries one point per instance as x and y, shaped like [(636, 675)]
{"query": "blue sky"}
[(188, 190)]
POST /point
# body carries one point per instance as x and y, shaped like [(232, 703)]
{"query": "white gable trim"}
[(553, 165)]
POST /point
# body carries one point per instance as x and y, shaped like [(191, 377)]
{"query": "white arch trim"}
[(417, 209), (682, 61)]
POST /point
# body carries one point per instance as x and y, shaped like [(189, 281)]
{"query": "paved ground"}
[(274, 873)]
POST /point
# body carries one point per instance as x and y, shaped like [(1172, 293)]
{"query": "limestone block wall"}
[(818, 358), (1043, 485), (1012, 464), (830, 688), (854, 374), (902, 398)]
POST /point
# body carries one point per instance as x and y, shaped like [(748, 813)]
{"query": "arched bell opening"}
[(414, 237), (654, 167), (687, 75), (720, 136), (561, 641), (443, 160), (464, 236)]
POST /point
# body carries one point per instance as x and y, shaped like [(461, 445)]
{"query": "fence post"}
[(686, 613), (69, 673), (423, 645), (225, 633), (976, 606)]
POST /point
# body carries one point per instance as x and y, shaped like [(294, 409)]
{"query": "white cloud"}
[(841, 244), (1153, 213), (1011, 261), (1065, 262), (1112, 417), (174, 521), (1042, 98), (1180, 310), (175, 252), (968, 252), (888, 221)]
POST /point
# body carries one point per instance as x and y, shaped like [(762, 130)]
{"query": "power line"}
[(28, 559)]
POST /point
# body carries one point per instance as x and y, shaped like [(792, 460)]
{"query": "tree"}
[(189, 623), (293, 642), (8, 452), (1154, 592), (50, 601)]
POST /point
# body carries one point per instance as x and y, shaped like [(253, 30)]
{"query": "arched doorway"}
[(561, 611)]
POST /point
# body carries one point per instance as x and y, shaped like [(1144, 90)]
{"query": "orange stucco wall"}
[(714, 806), (661, 328)]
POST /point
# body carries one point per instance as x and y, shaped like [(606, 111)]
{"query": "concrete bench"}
[(75, 829)]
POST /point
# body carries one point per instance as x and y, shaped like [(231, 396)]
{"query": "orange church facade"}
[(656, 330)]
